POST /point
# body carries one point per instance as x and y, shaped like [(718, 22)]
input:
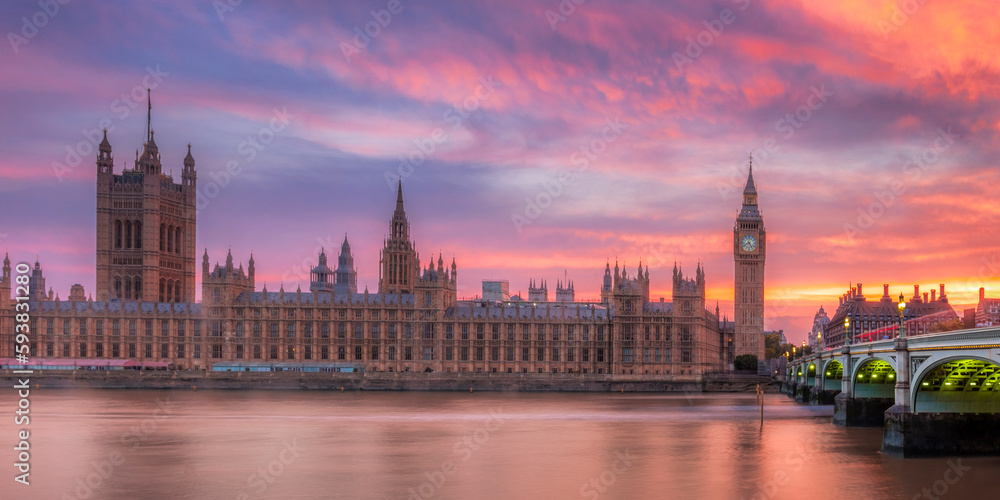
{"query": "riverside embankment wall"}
[(383, 381)]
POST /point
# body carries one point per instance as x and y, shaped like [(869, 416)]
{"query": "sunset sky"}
[(874, 127)]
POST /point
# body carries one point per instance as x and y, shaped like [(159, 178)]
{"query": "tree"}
[(746, 362), (785, 350), (947, 326), (772, 346)]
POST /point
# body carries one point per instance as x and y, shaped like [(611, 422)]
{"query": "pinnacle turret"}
[(750, 187)]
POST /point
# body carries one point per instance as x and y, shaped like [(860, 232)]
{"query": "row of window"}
[(359, 353), (115, 326), (356, 353), (375, 330)]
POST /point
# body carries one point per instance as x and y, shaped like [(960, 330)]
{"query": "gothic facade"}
[(145, 228), (749, 251), (144, 309)]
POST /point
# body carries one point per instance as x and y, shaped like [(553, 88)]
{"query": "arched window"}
[(138, 234), (138, 288), (170, 292), (177, 291), (118, 234), (218, 296), (118, 287), (163, 235), (170, 241), (128, 287), (177, 241), (162, 291), (128, 234)]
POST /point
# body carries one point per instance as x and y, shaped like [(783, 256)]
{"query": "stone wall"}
[(196, 380), (936, 434)]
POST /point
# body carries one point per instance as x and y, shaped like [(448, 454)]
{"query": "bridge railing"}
[(983, 337)]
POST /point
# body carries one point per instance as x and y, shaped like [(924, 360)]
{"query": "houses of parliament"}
[(144, 310)]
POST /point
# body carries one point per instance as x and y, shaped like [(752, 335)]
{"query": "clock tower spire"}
[(749, 247)]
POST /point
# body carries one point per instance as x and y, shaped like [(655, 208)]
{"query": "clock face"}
[(748, 243)]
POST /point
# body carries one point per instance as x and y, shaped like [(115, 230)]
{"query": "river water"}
[(154, 444)]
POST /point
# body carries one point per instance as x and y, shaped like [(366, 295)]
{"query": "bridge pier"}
[(802, 393), (823, 397), (860, 412), (907, 434)]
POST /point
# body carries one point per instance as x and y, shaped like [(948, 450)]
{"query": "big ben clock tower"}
[(749, 245)]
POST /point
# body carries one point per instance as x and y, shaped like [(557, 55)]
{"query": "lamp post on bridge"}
[(902, 308), (846, 397), (902, 389), (847, 329)]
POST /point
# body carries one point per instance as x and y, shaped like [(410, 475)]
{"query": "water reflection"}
[(296, 444)]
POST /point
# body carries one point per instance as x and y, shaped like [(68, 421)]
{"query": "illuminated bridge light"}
[(925, 383)]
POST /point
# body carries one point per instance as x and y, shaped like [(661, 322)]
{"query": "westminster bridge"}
[(945, 402)]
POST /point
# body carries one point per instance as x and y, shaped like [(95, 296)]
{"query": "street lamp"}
[(902, 308), (847, 329)]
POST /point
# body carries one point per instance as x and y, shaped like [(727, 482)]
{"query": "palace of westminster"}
[(144, 310)]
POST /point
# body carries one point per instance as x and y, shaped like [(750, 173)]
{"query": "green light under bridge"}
[(876, 372), (963, 375)]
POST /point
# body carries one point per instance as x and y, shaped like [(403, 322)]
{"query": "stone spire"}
[(400, 265), (750, 187), (189, 160)]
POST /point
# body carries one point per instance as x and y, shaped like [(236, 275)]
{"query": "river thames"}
[(401, 445)]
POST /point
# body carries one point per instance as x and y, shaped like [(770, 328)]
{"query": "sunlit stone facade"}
[(414, 322)]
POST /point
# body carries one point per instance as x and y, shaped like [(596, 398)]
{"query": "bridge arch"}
[(809, 372), (833, 375), (956, 384), (874, 377)]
